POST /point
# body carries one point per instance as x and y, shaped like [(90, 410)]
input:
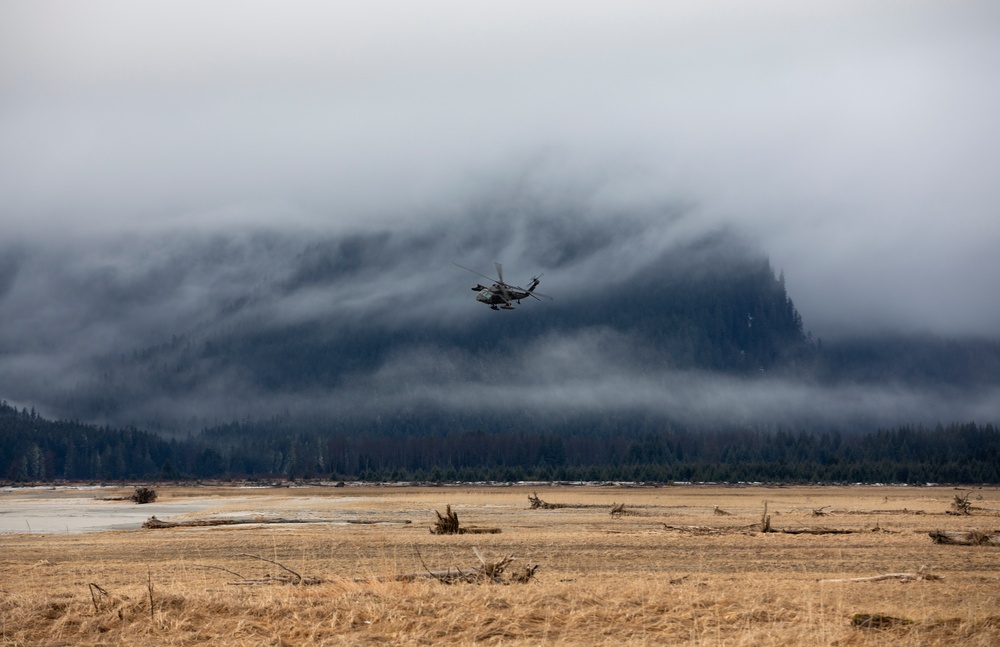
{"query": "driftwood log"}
[(886, 512), (822, 512), (538, 504), (920, 575), (818, 531), (965, 537), (157, 524), (756, 528), (618, 510), (702, 530), (487, 572), (765, 526), (447, 524)]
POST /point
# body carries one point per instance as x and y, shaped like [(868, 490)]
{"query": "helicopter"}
[(500, 294)]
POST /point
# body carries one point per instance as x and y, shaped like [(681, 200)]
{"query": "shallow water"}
[(38, 510)]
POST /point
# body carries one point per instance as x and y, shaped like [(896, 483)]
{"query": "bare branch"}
[(279, 564)]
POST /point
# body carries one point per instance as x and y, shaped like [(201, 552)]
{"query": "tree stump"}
[(960, 505), (446, 524)]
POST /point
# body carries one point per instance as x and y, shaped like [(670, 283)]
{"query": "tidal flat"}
[(354, 566)]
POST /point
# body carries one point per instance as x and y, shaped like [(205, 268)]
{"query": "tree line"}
[(34, 449)]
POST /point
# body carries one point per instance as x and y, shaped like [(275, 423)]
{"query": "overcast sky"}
[(857, 143)]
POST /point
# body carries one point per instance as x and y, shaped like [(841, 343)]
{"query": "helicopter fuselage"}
[(493, 297)]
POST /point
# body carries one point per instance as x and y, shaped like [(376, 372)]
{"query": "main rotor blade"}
[(488, 278), (504, 288)]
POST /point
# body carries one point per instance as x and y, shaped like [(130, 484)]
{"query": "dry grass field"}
[(670, 571)]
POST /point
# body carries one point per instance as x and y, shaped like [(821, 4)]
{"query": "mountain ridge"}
[(693, 330)]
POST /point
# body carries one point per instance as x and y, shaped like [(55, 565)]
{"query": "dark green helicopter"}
[(500, 294)]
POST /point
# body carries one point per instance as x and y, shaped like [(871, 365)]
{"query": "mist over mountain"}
[(749, 217), (652, 322)]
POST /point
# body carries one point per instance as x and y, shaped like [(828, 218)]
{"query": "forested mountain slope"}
[(711, 305), (378, 333)]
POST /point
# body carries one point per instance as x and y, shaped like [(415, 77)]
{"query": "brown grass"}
[(601, 581)]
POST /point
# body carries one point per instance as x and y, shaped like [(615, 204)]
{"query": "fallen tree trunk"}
[(856, 511), (618, 510), (965, 537), (538, 504), (765, 527), (703, 530), (156, 524), (448, 575), (756, 527), (470, 575), (902, 577), (818, 531), (492, 572)]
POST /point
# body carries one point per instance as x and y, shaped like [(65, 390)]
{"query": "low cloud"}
[(319, 168), (594, 373), (150, 329), (856, 144)]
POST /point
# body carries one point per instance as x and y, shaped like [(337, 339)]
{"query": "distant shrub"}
[(144, 495)]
